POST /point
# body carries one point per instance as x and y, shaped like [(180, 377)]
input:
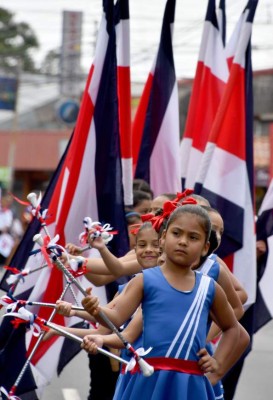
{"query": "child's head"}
[(132, 218), (158, 202), (217, 223), (187, 233), (141, 202), (201, 201), (147, 246)]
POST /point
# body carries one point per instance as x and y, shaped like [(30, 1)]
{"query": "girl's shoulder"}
[(211, 267)]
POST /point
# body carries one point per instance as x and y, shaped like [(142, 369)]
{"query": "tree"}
[(16, 41)]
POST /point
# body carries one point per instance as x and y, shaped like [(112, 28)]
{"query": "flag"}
[(263, 307), (89, 184), (221, 19), (226, 174), (122, 22), (208, 87), (156, 124)]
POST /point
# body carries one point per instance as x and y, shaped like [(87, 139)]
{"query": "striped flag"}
[(88, 184), (221, 19), (124, 96), (210, 80), (156, 124), (226, 173)]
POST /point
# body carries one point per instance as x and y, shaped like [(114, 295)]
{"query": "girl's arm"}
[(64, 308), (91, 342), (127, 266), (81, 332), (109, 264), (100, 280), (125, 305), (233, 299), (223, 315), (236, 284), (225, 282)]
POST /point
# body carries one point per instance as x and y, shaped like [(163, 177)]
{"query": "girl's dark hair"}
[(132, 217), (141, 184), (145, 225), (211, 209), (213, 244), (197, 197), (195, 210), (139, 196)]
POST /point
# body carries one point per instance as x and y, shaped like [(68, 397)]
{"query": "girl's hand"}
[(213, 378), (206, 362), (91, 343), (96, 242), (73, 249), (64, 308), (63, 258), (91, 303), (51, 332)]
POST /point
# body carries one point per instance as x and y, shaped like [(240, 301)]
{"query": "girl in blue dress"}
[(177, 303)]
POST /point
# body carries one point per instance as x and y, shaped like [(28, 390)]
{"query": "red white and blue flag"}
[(88, 183), (209, 84), (124, 96), (156, 124), (226, 174)]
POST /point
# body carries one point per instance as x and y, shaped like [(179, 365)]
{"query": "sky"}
[(45, 17)]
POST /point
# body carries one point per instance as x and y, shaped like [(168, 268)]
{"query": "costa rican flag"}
[(226, 174), (88, 183), (124, 96), (156, 124), (209, 84)]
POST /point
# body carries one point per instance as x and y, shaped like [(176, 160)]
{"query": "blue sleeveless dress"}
[(175, 326), (211, 268)]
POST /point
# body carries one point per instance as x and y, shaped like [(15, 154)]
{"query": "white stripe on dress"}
[(188, 315)]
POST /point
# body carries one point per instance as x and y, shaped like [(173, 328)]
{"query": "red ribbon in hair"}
[(135, 229), (189, 200), (182, 195), (157, 220)]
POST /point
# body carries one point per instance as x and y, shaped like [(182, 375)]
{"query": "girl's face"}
[(185, 240), (217, 224), (157, 203), (143, 207), (147, 248)]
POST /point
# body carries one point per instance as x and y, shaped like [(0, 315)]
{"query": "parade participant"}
[(147, 253), (158, 202), (167, 293), (141, 202)]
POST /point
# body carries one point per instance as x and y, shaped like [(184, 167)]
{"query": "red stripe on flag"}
[(205, 99), (124, 94), (227, 116)]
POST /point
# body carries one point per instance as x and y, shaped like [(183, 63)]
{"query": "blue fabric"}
[(164, 311)]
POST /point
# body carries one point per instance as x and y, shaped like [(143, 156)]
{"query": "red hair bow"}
[(189, 200), (168, 208), (182, 195), (147, 217)]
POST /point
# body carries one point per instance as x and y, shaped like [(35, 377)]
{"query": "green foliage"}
[(16, 41)]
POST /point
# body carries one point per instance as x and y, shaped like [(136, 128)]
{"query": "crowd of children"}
[(182, 304)]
